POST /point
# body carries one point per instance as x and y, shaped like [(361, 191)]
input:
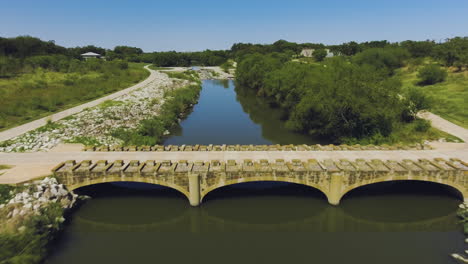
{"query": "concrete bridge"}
[(334, 178)]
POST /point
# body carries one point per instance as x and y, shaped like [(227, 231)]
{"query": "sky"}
[(191, 25)]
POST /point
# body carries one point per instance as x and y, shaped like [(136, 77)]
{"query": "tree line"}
[(353, 96), (452, 52)]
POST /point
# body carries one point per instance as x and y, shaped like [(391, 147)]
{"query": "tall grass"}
[(41, 92), (449, 98)]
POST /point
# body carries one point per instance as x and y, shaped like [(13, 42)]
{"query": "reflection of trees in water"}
[(217, 216), (269, 118), (224, 83)]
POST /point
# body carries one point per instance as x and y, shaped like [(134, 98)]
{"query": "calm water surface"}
[(229, 115), (402, 222)]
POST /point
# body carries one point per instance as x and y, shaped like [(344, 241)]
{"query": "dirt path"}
[(22, 129)]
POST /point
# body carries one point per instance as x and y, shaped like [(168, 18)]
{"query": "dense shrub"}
[(252, 70), (453, 52), (5, 193), (338, 99), (385, 59), (414, 100), (9, 66), (422, 125), (227, 66), (431, 74), (319, 54), (151, 131), (419, 49), (185, 59), (30, 246)]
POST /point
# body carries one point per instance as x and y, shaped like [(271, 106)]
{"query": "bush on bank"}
[(31, 216), (432, 74), (30, 245), (151, 131)]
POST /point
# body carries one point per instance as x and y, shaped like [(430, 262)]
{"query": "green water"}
[(400, 222), (228, 115)]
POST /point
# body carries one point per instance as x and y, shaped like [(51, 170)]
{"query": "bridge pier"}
[(194, 189), (334, 194)]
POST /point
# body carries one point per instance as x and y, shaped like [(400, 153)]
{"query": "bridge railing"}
[(160, 148)]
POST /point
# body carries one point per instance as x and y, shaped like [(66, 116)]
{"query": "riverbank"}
[(31, 216), (97, 125), (463, 215)]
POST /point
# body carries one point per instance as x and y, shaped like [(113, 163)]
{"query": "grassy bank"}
[(41, 92), (417, 131), (151, 131), (177, 104), (449, 98)]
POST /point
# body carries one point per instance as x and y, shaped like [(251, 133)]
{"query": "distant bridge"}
[(334, 178)]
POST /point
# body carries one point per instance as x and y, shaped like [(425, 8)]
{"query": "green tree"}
[(9, 66), (350, 48), (453, 52), (414, 100), (385, 59), (431, 74), (319, 54), (419, 49), (251, 71)]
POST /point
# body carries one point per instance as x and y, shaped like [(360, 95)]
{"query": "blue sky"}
[(187, 25)]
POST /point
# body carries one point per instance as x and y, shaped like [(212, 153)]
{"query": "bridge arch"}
[(204, 192), (96, 181), (463, 195)]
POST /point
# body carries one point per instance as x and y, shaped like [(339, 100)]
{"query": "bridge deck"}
[(28, 166)]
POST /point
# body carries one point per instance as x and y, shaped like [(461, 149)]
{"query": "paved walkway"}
[(22, 129), (446, 126)]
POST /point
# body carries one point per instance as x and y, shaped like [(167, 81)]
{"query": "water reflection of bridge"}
[(331, 219)]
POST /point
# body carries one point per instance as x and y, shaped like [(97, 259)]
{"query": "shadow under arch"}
[(98, 181), (259, 182), (458, 189), (406, 197)]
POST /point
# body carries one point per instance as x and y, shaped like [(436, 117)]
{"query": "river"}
[(388, 223)]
